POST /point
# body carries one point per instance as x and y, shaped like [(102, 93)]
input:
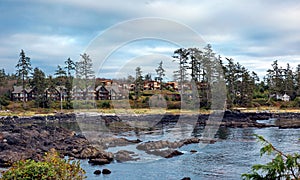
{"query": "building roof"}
[(19, 89)]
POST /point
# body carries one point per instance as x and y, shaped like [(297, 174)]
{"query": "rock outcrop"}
[(32, 141)]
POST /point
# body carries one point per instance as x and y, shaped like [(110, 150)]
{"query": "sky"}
[(253, 33)]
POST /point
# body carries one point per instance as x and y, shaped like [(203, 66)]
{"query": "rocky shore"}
[(31, 137)]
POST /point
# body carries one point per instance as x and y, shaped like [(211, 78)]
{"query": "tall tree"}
[(195, 63), (148, 77), (61, 80), (181, 75), (289, 81), (3, 77), (70, 67), (139, 83), (39, 84), (23, 70), (85, 76), (160, 73), (60, 74), (297, 80), (275, 79)]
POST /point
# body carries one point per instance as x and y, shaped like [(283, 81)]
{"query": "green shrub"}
[(53, 167), (282, 166), (105, 104), (174, 104)]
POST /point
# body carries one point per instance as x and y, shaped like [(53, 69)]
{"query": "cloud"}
[(50, 31), (44, 50)]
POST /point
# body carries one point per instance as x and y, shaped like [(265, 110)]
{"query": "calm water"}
[(235, 151), (233, 154)]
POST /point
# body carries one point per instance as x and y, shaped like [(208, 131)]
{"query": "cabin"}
[(56, 93), (18, 93), (80, 93), (151, 85), (172, 85), (102, 93)]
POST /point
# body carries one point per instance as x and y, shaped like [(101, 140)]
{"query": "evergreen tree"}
[(85, 78), (39, 84), (3, 77), (289, 81), (181, 75), (160, 73), (23, 70), (60, 74), (70, 68), (148, 77), (275, 79), (139, 83), (195, 63), (297, 80)]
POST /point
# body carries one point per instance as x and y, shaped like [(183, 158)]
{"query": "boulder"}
[(97, 172), (99, 161), (106, 171), (123, 156)]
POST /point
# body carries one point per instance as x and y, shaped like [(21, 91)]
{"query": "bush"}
[(105, 104), (53, 167), (283, 166)]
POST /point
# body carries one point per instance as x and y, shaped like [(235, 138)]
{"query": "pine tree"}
[(39, 84), (70, 67), (139, 82), (181, 75), (160, 73), (23, 70), (195, 63), (85, 78)]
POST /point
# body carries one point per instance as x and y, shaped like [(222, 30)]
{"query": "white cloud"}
[(249, 31)]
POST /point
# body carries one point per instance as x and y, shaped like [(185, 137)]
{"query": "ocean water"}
[(235, 151)]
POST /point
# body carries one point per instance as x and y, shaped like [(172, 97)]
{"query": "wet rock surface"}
[(124, 155), (32, 141), (31, 137)]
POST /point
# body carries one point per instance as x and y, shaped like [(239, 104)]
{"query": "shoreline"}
[(229, 118)]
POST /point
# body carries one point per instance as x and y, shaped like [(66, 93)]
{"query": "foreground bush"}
[(282, 166), (53, 167)]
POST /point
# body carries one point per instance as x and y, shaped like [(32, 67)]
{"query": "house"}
[(102, 93), (79, 93), (172, 85), (18, 93), (56, 93), (151, 85), (286, 97)]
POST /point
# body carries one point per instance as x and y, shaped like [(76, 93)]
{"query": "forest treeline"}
[(201, 66)]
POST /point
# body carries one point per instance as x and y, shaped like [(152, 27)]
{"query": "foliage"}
[(4, 101), (160, 73), (39, 83), (23, 70), (282, 166), (105, 104), (53, 167)]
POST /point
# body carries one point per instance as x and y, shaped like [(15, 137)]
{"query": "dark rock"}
[(98, 161), (106, 171), (32, 141), (193, 151), (97, 172), (186, 178), (123, 156), (174, 153)]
